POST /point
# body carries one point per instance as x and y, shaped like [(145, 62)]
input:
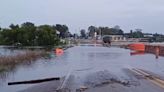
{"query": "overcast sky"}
[(77, 14)]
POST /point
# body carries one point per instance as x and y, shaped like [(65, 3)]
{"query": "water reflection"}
[(104, 55), (4, 75), (133, 53), (8, 70), (137, 53), (6, 52)]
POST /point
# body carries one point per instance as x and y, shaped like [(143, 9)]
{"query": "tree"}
[(136, 34), (116, 31), (28, 29), (111, 31), (7, 36), (46, 36), (28, 25), (63, 29), (30, 35), (92, 30), (83, 33), (105, 30), (75, 36), (14, 27), (117, 27)]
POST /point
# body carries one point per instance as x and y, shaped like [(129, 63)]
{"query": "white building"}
[(116, 38)]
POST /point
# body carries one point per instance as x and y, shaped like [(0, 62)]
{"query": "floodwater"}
[(6, 52), (82, 61)]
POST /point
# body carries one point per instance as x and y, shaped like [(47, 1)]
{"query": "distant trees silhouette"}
[(27, 34), (105, 31)]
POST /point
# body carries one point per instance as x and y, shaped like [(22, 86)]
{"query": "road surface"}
[(91, 68)]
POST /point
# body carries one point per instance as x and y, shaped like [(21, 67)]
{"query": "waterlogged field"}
[(11, 59), (90, 65)]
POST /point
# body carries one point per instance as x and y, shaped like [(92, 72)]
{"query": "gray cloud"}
[(129, 14)]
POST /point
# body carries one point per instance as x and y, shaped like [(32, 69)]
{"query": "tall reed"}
[(27, 56)]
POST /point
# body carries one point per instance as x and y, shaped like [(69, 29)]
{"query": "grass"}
[(8, 62), (22, 57)]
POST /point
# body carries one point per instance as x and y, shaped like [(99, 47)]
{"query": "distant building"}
[(144, 40), (138, 39), (147, 35), (116, 38)]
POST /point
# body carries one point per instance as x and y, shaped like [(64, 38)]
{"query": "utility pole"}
[(100, 34)]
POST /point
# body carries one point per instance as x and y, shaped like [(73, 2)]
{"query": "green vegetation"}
[(136, 34), (27, 34), (83, 33)]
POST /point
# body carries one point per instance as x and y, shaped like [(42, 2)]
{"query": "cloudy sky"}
[(77, 14)]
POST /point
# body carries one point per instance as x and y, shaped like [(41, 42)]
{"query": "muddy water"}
[(82, 61)]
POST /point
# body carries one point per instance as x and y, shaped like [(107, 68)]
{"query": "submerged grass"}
[(8, 62)]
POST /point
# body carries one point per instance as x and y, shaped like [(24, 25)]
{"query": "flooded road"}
[(84, 63)]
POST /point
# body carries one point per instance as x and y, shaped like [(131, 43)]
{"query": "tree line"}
[(28, 34), (101, 31), (116, 30)]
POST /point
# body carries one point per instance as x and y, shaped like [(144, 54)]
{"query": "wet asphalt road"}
[(90, 66)]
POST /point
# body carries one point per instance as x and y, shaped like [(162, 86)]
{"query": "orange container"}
[(137, 46), (58, 51)]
